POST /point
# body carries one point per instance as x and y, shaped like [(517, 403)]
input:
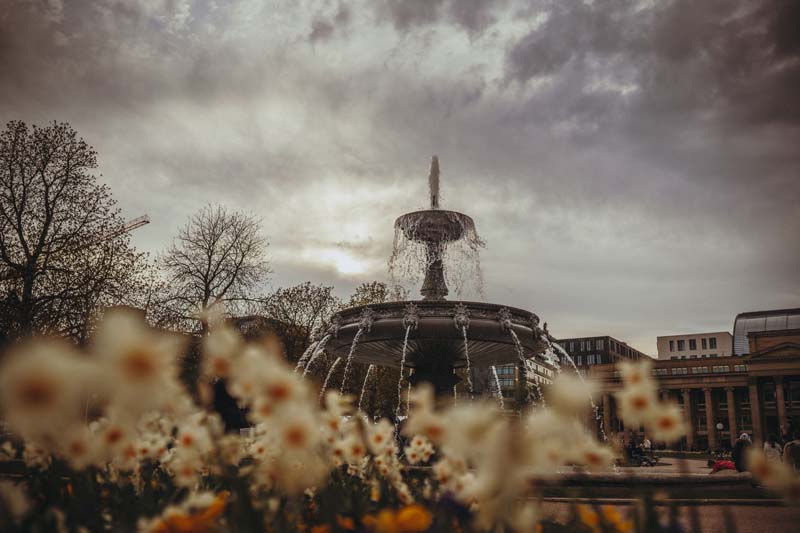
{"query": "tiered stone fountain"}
[(433, 336)]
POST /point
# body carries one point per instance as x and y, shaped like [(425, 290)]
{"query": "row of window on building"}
[(588, 345), (507, 375), (585, 345), (706, 343), (716, 369), (591, 359), (684, 370), (694, 356)]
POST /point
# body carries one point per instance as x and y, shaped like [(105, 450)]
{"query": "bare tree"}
[(298, 311), (218, 257), (63, 251), (375, 292)]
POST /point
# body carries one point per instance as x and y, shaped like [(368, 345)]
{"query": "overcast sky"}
[(633, 166)]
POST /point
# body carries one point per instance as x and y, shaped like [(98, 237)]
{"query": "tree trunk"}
[(25, 321)]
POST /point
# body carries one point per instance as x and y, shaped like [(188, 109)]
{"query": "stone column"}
[(607, 413), (731, 414), (710, 423), (687, 412), (781, 403), (755, 411)]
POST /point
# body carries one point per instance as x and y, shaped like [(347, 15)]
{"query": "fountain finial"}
[(433, 182)]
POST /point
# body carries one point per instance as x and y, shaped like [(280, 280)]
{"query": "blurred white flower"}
[(569, 395), (525, 517), (231, 449), (213, 316), (428, 423), (41, 386), (153, 447), (421, 398), (79, 447), (420, 450), (775, 475), (246, 376), (298, 429), (354, 449), (413, 455), (114, 436), (637, 403), (380, 436), (185, 469), (220, 347), (13, 500), (636, 373), (337, 404), (194, 437), (667, 423), (139, 363), (593, 456), (466, 428)]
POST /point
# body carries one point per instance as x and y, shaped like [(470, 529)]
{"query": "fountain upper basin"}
[(435, 334), (434, 225)]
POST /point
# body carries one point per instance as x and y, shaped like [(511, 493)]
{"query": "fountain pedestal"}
[(436, 370), (434, 287)]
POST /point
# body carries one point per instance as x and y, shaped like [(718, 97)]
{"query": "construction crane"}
[(127, 227)]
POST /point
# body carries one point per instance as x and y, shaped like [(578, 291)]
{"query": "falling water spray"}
[(364, 386), (328, 378)]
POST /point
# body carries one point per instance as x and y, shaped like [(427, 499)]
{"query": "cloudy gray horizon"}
[(633, 165)]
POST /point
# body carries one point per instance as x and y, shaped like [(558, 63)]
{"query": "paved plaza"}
[(747, 517), (762, 515)]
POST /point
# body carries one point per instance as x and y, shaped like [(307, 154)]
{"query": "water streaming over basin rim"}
[(436, 334)]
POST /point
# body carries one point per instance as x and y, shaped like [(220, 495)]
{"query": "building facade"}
[(506, 377), (695, 345), (758, 393), (590, 351)]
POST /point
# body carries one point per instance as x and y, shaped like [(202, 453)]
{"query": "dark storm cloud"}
[(725, 72), (740, 58), (473, 16), (323, 27), (407, 14), (632, 165)]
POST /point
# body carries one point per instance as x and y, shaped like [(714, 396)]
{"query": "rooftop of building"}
[(769, 312), (701, 334), (593, 337), (770, 320)]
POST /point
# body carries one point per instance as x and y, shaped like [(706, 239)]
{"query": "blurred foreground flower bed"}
[(110, 440)]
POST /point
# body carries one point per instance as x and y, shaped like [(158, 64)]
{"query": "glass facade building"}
[(759, 321)]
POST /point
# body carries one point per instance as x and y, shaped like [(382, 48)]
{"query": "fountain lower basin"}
[(436, 332)]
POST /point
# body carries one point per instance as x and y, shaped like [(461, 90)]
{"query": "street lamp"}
[(719, 434)]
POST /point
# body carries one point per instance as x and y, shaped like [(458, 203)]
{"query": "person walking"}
[(791, 452), (647, 448), (772, 449), (739, 452)]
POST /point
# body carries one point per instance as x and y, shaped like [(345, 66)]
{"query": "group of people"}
[(639, 452), (787, 451)]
